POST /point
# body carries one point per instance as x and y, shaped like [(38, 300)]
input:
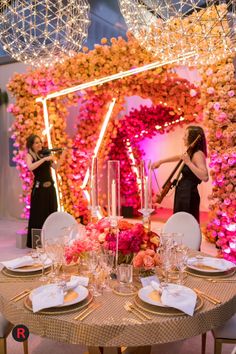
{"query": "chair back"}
[(185, 223), (57, 225)]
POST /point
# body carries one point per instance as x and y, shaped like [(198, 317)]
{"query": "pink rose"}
[(231, 93), (138, 261), (209, 72), (193, 93), (148, 262), (216, 106), (150, 252), (210, 90)]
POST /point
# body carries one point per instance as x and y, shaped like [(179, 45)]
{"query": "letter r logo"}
[(20, 333)]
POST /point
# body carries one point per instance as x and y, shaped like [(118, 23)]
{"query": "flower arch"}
[(162, 85)]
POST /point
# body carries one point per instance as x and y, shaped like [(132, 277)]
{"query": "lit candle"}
[(145, 192), (113, 198)]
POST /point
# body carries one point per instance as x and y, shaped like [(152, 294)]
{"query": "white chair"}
[(222, 334), (186, 224), (56, 225), (5, 329)]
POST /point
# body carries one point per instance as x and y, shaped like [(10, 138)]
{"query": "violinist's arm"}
[(33, 165), (168, 159), (197, 165)]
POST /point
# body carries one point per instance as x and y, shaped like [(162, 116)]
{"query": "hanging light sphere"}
[(40, 32), (170, 29)]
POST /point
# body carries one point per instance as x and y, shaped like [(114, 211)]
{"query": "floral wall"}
[(171, 96)]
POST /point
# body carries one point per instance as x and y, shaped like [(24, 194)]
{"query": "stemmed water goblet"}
[(43, 257)]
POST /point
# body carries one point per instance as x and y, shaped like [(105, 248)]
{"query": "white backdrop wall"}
[(160, 146)]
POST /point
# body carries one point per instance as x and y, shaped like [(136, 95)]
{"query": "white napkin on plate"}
[(47, 296), (18, 262), (218, 263), (78, 280), (177, 296)]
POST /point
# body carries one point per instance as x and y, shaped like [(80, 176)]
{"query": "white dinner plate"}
[(145, 293), (31, 268), (80, 290), (207, 264)]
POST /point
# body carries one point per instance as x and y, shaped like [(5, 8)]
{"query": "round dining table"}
[(110, 326)]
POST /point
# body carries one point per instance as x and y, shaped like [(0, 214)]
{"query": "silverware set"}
[(130, 307), (86, 312), (21, 295), (207, 297)]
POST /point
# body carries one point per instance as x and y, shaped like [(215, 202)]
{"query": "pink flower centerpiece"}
[(146, 261)]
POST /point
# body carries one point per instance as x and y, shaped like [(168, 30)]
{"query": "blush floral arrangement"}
[(132, 239)]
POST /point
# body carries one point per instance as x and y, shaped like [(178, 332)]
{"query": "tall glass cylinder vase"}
[(114, 200), (94, 206), (145, 173)]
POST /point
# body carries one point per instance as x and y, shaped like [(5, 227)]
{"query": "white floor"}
[(38, 345)]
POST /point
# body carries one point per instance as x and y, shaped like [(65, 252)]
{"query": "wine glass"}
[(42, 256)]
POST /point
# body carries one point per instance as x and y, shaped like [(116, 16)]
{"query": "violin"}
[(169, 184)]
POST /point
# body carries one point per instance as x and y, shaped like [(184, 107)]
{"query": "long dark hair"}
[(193, 132), (30, 141)]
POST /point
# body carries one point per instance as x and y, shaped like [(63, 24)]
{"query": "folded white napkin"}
[(46, 296), (18, 262), (78, 280), (177, 296), (147, 280), (218, 263)]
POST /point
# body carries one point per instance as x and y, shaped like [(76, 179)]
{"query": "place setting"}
[(60, 298), (210, 268), (29, 266)]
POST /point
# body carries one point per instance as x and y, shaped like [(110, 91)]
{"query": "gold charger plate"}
[(165, 311), (198, 273), (32, 274), (60, 310)]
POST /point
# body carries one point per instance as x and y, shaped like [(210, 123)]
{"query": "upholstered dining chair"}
[(185, 223), (222, 334), (5, 329), (56, 225)]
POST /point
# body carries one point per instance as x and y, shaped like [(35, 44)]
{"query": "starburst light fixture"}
[(171, 28), (40, 32)]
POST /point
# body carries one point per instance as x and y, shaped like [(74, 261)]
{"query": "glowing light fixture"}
[(40, 32), (168, 28), (117, 76)]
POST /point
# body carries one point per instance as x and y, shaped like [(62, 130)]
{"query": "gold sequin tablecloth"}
[(111, 325)]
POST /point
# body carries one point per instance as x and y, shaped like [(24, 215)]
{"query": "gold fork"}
[(82, 315), (133, 307), (20, 295), (129, 309), (207, 297)]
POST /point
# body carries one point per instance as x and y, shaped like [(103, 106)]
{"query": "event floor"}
[(38, 345)]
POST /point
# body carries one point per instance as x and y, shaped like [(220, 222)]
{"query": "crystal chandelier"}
[(171, 28), (40, 32)]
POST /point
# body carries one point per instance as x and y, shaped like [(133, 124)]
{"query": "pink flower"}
[(221, 117), (148, 262), (193, 93), (231, 93), (138, 261), (210, 90), (209, 72), (216, 106)]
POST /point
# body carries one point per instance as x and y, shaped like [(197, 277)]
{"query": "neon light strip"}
[(115, 76), (47, 128), (101, 136)]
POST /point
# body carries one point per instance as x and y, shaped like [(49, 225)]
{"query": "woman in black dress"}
[(193, 173), (43, 195)]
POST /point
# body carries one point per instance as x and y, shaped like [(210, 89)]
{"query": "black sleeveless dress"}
[(43, 198), (186, 193)]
